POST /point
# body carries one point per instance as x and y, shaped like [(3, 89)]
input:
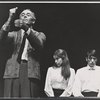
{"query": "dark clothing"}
[(90, 94), (22, 86), (12, 42), (57, 92), (18, 76)]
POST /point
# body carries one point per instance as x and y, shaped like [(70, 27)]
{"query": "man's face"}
[(92, 61), (27, 17)]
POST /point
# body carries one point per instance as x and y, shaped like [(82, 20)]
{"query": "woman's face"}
[(58, 61)]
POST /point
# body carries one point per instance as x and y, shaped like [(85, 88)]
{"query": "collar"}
[(91, 68)]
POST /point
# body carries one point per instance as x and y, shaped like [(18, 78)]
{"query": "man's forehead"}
[(92, 57), (27, 11)]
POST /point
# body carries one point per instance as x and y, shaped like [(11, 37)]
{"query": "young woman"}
[(60, 77)]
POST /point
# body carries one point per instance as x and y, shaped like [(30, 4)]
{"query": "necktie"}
[(21, 49), (92, 69)]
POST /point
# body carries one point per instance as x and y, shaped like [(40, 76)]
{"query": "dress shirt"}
[(24, 54), (55, 80), (87, 80)]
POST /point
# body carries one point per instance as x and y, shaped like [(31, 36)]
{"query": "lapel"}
[(30, 47), (19, 38), (18, 41)]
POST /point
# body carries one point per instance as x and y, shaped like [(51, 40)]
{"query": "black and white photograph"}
[(49, 50)]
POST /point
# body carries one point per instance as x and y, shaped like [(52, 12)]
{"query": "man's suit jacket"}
[(12, 42)]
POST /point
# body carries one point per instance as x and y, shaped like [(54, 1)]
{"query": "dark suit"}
[(12, 41)]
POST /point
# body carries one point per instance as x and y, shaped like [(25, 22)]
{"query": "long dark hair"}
[(65, 72)]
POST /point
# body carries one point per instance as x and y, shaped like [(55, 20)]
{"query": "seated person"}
[(60, 77), (87, 81)]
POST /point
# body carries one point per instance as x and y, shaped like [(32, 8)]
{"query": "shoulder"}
[(40, 35), (72, 70), (82, 69), (98, 67), (37, 33), (50, 68)]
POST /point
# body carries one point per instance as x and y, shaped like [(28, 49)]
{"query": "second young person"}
[(60, 77)]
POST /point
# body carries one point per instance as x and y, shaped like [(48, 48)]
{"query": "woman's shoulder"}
[(72, 70), (50, 68)]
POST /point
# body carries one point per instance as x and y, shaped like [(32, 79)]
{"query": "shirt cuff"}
[(6, 27)]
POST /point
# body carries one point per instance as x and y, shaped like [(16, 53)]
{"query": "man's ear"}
[(86, 58), (33, 22), (96, 60)]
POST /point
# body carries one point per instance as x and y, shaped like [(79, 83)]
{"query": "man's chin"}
[(29, 24), (25, 22), (92, 65)]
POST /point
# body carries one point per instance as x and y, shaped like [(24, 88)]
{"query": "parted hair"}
[(91, 53), (34, 16), (65, 71)]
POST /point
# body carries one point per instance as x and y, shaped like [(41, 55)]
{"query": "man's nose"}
[(25, 16), (92, 60)]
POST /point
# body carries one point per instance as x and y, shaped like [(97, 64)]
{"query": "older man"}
[(87, 81), (22, 71)]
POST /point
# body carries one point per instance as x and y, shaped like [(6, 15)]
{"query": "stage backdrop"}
[(74, 27)]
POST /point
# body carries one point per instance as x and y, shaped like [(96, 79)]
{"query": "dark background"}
[(74, 27)]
